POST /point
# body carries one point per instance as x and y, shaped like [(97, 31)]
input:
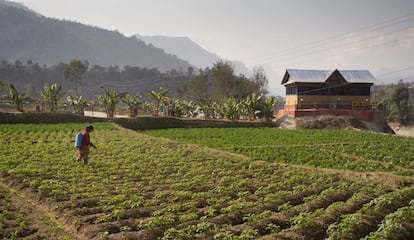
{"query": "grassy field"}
[(139, 186)]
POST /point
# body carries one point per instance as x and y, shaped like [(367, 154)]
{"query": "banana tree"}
[(268, 107), (251, 105), (219, 110), (17, 97), (51, 95), (189, 108), (177, 108), (232, 109), (133, 103), (78, 104), (109, 100), (148, 106), (161, 96), (207, 108)]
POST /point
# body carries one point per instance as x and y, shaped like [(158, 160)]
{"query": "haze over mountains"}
[(185, 48), (29, 37), (26, 35)]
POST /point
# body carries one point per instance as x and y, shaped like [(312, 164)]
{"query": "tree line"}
[(212, 93), (31, 77), (395, 100), (220, 82)]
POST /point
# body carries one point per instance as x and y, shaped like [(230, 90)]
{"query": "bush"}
[(45, 118)]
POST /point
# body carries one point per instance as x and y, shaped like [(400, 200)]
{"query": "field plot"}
[(339, 149), (141, 187), (18, 219)]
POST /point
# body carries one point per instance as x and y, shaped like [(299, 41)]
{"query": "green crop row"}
[(395, 224), (362, 222), (340, 149), (231, 137), (17, 220), (137, 185)]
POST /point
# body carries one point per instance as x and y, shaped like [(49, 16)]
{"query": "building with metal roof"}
[(321, 76), (334, 91)]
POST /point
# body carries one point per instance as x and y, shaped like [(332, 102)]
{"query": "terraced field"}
[(142, 187)]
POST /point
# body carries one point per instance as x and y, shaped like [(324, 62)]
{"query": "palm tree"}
[(17, 97), (51, 95), (109, 101), (161, 96), (133, 103)]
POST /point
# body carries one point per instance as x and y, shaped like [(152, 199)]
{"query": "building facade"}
[(336, 92)]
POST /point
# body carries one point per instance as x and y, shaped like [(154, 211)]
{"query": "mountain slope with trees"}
[(26, 35), (31, 77)]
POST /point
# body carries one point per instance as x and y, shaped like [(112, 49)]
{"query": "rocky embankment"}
[(334, 122), (406, 131)]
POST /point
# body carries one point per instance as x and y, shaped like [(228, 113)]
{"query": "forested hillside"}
[(32, 77), (26, 35)]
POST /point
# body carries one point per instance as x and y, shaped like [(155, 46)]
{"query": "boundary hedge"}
[(46, 118), (146, 123), (139, 123)]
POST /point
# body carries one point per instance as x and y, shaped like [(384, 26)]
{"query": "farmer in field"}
[(84, 147)]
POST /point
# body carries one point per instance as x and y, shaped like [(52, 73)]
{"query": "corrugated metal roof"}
[(357, 76), (298, 75), (320, 76)]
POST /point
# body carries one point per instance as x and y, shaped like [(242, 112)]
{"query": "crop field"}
[(339, 149), (138, 186)]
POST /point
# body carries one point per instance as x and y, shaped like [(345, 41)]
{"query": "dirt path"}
[(404, 131), (101, 114)]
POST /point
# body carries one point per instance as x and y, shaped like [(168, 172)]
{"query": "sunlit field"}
[(138, 186)]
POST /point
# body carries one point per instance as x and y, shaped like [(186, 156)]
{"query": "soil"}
[(391, 179), (41, 223), (333, 122), (405, 131)]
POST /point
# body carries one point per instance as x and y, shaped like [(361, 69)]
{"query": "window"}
[(334, 91), (291, 90), (362, 91)]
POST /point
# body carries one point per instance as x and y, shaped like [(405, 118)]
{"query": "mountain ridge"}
[(185, 48), (27, 35)]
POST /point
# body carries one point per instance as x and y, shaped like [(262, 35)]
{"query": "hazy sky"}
[(377, 35)]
